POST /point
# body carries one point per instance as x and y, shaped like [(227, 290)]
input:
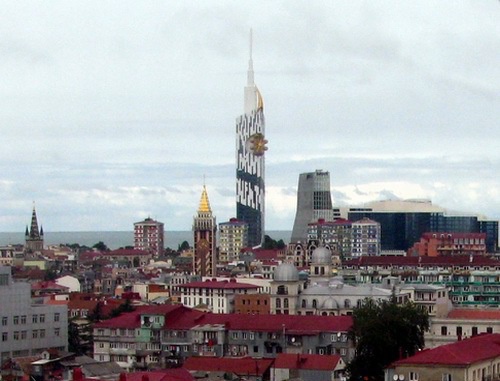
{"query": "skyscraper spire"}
[(250, 75), (251, 93)]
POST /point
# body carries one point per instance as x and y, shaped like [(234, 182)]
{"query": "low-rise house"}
[(462, 323), (168, 334), (474, 359), (308, 367), (233, 368)]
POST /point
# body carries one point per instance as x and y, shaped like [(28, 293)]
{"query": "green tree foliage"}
[(184, 246), (384, 332), (124, 307), (80, 339), (270, 243), (101, 246)]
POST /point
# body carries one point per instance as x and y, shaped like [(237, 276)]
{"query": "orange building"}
[(252, 304), (436, 244)]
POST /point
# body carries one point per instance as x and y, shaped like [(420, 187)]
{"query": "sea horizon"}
[(115, 239)]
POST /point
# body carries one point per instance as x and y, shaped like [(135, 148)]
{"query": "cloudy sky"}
[(114, 111)]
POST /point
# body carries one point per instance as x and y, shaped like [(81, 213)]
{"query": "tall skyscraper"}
[(204, 228), (33, 236), (250, 164), (149, 236), (314, 202)]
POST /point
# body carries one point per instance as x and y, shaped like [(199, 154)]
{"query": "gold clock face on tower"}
[(203, 245)]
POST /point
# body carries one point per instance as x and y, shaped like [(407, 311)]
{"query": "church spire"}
[(34, 232), (204, 203)]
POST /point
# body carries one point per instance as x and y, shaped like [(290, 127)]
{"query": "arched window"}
[(285, 303), (304, 303), (315, 303), (278, 303), (347, 303), (359, 303), (282, 290)]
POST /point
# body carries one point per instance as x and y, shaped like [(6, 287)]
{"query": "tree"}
[(184, 246), (101, 246), (383, 333), (124, 307)]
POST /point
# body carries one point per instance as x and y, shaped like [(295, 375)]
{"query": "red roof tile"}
[(304, 361), (181, 318), (460, 353), (241, 366), (177, 374), (473, 314), (227, 285), (457, 260)]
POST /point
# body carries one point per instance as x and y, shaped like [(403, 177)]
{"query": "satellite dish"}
[(395, 377)]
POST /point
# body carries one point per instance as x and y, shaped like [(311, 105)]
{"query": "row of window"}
[(22, 319), (23, 335), (459, 331)]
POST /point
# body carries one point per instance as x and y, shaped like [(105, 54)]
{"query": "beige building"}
[(474, 359)]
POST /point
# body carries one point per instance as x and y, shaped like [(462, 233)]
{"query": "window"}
[(42, 333), (5, 320), (57, 316), (23, 319), (303, 303), (35, 334), (459, 331), (413, 376), (42, 318), (446, 377), (343, 351), (333, 337), (489, 330), (285, 303), (35, 319), (16, 320), (444, 330), (315, 303), (234, 335), (16, 335), (347, 303), (474, 331), (57, 332), (278, 303), (5, 336)]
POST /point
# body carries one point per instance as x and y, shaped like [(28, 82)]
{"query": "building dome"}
[(330, 304), (321, 256), (286, 272)]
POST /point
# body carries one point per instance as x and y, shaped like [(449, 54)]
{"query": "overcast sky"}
[(113, 111)]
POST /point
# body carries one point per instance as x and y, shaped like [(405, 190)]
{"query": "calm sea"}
[(115, 240)]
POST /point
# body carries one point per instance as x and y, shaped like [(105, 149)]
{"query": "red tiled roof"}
[(460, 353), (180, 317), (177, 374), (304, 361), (48, 285), (133, 319), (227, 285), (240, 366), (457, 260), (473, 314)]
